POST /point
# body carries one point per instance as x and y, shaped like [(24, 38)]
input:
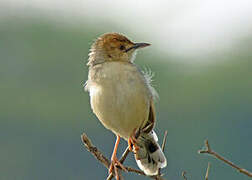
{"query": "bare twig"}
[(164, 140), (157, 177), (102, 159), (125, 154), (93, 150), (207, 171), (163, 147), (183, 175), (120, 175), (129, 169), (208, 150), (96, 153)]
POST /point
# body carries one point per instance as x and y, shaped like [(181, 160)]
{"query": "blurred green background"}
[(44, 108)]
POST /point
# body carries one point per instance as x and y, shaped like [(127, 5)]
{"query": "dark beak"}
[(137, 46)]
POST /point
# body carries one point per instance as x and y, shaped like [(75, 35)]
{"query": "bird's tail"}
[(149, 156)]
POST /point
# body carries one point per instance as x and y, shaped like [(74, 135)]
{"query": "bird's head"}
[(113, 47)]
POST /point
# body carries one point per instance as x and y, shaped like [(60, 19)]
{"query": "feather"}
[(150, 156), (148, 75)]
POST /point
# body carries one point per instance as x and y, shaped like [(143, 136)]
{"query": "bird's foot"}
[(132, 142), (114, 163)]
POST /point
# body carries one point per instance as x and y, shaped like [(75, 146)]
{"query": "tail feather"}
[(150, 156)]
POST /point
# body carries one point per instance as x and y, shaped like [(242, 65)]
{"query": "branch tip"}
[(183, 175), (208, 150), (207, 171)]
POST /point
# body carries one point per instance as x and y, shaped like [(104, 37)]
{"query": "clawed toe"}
[(132, 142), (115, 163)]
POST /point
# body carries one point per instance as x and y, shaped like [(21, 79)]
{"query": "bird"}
[(122, 98)]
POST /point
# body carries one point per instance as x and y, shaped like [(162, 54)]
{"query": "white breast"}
[(119, 97)]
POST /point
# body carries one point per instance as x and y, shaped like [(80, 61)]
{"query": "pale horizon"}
[(180, 28)]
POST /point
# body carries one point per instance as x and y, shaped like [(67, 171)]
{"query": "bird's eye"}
[(122, 47)]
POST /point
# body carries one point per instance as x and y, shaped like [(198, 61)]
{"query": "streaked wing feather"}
[(151, 119)]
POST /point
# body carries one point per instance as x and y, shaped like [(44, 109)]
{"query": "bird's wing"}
[(151, 119)]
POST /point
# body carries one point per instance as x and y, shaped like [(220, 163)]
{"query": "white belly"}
[(120, 98)]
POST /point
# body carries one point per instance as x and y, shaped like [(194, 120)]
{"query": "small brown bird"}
[(122, 98)]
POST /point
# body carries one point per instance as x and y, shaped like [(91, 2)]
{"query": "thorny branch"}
[(103, 160), (208, 150)]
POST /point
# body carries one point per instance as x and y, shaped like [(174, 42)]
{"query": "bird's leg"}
[(132, 141), (114, 161)]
